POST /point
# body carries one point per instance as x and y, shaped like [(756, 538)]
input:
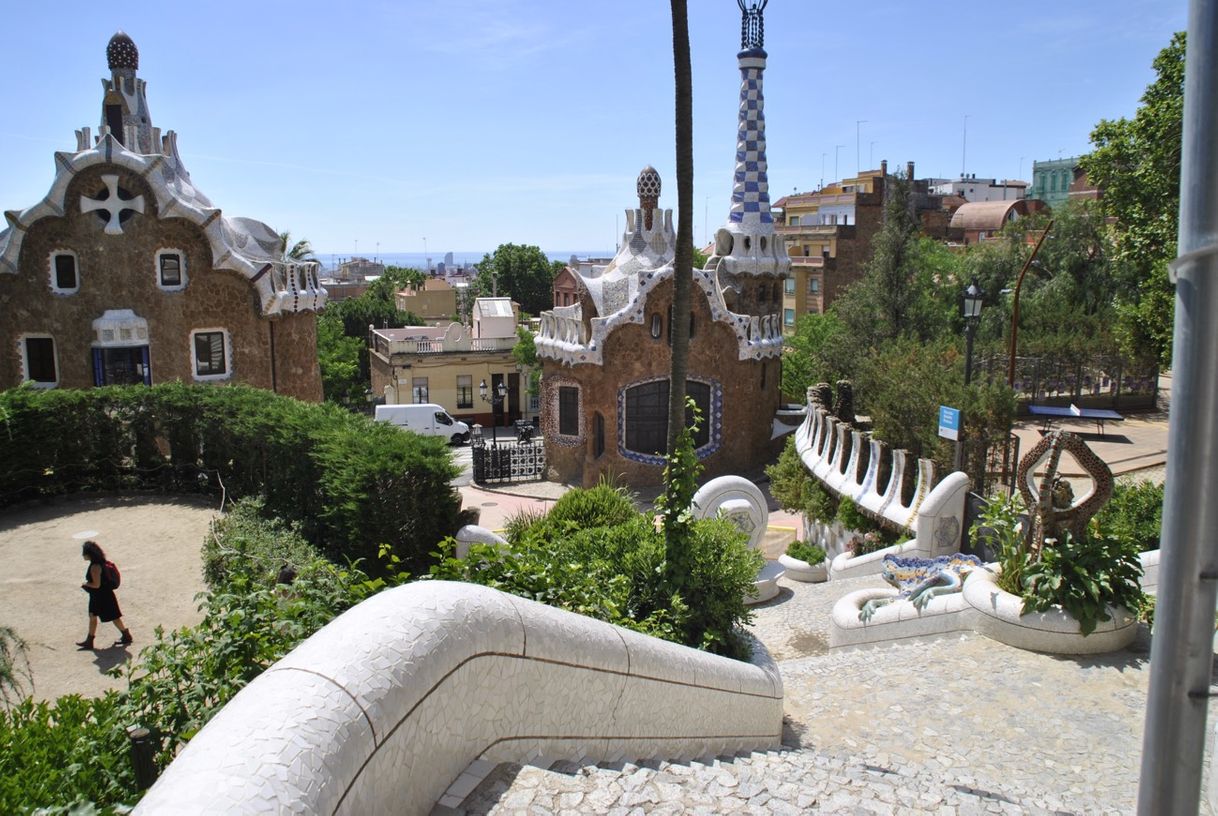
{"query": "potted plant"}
[(805, 562), (1073, 596)]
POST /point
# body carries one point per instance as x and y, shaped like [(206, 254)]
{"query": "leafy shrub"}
[(1084, 576), (246, 541), (14, 667), (805, 551), (352, 484), (600, 506), (1135, 514), (616, 572), (852, 518), (870, 541), (185, 676), (798, 491), (1001, 522), (521, 522), (56, 758)]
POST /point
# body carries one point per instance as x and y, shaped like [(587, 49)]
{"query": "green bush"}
[(351, 484), (15, 673), (1134, 514), (245, 540), (1000, 521), (798, 491), (1084, 576), (615, 571), (852, 518), (185, 676), (60, 758), (805, 551), (600, 506)]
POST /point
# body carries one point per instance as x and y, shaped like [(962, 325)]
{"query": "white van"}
[(426, 419)]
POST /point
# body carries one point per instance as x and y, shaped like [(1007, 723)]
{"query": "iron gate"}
[(499, 461)]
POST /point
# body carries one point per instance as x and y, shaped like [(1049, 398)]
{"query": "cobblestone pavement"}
[(957, 725)]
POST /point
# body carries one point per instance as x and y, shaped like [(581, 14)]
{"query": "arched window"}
[(646, 416)]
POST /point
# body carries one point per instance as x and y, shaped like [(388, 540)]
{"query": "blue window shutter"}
[(99, 376), (147, 367)]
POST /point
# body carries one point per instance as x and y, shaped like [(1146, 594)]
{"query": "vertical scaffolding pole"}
[(1182, 654)]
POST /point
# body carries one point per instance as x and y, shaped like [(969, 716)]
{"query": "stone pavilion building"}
[(607, 358), (127, 273)]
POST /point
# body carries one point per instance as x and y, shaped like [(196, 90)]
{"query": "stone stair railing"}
[(851, 464), (385, 707)]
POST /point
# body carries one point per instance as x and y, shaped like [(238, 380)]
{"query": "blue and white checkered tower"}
[(746, 243), (750, 193)]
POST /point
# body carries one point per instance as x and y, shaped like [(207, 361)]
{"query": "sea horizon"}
[(418, 260)]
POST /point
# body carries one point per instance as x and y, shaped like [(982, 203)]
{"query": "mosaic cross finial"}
[(752, 25), (113, 203)]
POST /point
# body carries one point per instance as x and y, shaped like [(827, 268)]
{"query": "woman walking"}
[(103, 605)]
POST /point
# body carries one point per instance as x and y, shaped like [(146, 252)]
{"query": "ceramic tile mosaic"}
[(387, 705)]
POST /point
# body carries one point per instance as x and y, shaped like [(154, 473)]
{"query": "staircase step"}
[(785, 781)]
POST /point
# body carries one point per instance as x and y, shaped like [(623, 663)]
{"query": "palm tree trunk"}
[(683, 264)]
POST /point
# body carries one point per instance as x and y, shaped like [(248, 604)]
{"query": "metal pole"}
[(1015, 307), (1181, 655), (970, 328)]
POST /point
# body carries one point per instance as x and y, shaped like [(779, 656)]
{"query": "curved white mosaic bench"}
[(983, 608), (384, 707), (834, 454)]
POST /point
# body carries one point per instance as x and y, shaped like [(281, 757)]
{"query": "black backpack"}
[(111, 577)]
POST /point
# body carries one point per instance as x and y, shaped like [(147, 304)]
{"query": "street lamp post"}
[(496, 398), (971, 311)]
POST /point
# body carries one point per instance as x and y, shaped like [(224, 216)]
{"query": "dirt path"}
[(156, 543)]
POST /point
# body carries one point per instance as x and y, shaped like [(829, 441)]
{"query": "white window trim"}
[(228, 356), (51, 272), (156, 269), (25, 362)]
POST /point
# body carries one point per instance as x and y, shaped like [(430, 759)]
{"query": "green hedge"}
[(350, 483)]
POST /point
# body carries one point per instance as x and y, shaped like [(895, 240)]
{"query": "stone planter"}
[(798, 570), (1054, 631)]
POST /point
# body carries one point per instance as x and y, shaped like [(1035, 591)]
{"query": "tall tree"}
[(683, 263), (1136, 162), (519, 271)]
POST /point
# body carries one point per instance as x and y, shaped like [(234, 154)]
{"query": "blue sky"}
[(477, 122)]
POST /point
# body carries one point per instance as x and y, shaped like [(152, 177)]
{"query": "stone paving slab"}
[(955, 725)]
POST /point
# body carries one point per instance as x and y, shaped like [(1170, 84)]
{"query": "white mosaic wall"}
[(383, 708)]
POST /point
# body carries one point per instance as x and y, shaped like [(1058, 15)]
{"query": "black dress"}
[(102, 601)]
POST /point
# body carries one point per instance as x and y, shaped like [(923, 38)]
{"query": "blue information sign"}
[(949, 422)]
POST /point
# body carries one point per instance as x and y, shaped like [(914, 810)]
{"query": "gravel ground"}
[(155, 541)]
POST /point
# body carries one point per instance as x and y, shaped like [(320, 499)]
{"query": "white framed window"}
[(788, 286), (418, 390), (65, 272), (39, 362), (813, 286), (788, 317), (171, 269), (212, 354)]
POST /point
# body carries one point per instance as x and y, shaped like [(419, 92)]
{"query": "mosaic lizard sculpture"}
[(920, 579)]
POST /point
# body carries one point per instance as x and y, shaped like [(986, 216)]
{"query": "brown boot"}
[(126, 639), (85, 645)]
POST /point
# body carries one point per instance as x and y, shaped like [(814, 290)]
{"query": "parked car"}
[(426, 419)]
